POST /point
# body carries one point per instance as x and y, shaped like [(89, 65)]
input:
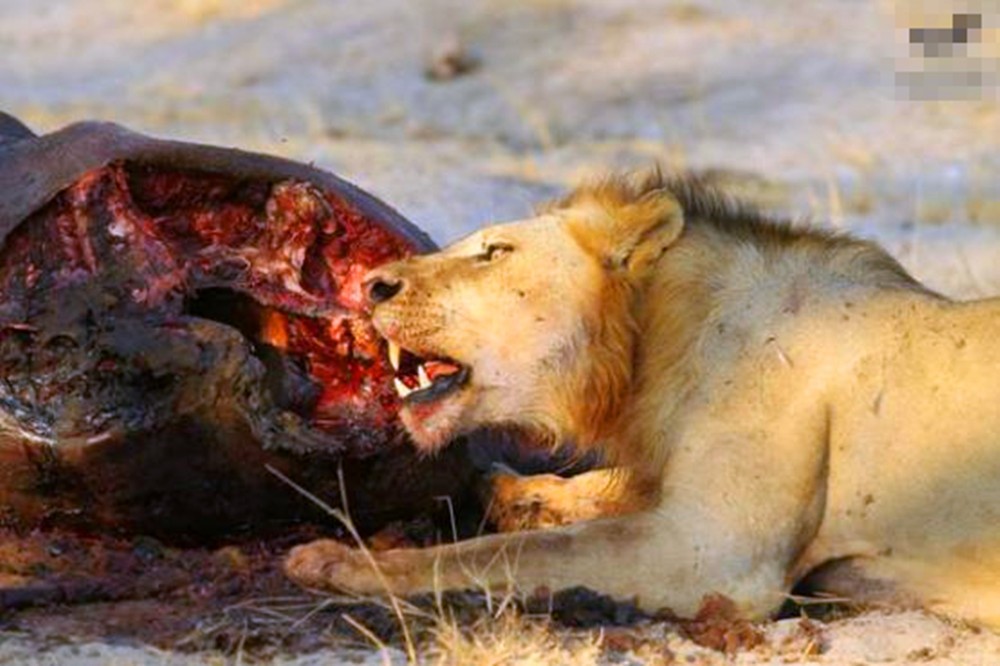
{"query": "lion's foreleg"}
[(650, 557), (554, 558)]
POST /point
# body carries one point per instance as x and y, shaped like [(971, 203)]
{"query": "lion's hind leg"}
[(957, 584)]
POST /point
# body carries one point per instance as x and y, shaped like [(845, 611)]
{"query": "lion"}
[(775, 403)]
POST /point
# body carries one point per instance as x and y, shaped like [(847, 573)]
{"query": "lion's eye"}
[(494, 251)]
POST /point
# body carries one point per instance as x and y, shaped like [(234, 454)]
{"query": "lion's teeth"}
[(422, 377), (394, 355), (402, 389)]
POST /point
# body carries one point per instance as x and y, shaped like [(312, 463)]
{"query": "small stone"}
[(450, 59)]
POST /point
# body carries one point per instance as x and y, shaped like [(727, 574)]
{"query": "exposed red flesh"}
[(179, 325), (298, 252)]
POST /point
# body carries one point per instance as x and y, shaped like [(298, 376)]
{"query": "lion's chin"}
[(432, 425)]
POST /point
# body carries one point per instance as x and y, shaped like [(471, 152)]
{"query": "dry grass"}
[(510, 639)]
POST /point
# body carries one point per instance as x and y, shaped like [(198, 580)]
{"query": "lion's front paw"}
[(546, 500), (330, 565), (525, 502)]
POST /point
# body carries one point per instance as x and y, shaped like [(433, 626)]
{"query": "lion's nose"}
[(381, 287)]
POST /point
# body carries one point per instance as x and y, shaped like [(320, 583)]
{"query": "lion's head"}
[(525, 324)]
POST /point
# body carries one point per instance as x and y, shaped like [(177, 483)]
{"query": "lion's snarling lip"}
[(424, 380)]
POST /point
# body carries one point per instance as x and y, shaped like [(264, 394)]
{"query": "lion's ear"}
[(643, 230)]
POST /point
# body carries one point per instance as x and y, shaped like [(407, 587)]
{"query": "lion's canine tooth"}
[(422, 377), (394, 355), (402, 389)]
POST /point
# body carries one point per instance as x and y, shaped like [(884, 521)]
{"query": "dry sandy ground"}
[(900, 637), (793, 102)]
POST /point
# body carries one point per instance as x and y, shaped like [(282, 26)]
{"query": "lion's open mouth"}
[(424, 380)]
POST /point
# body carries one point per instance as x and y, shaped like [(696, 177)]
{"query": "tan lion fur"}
[(779, 400)]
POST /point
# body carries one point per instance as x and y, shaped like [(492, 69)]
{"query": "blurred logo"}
[(948, 50)]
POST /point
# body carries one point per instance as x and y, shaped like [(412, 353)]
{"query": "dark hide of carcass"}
[(177, 318)]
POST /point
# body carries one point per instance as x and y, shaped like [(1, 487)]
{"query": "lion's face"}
[(519, 324), (485, 327)]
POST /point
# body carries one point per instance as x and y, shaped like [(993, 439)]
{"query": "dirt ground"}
[(460, 112)]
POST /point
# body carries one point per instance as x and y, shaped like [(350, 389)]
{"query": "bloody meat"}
[(177, 321)]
